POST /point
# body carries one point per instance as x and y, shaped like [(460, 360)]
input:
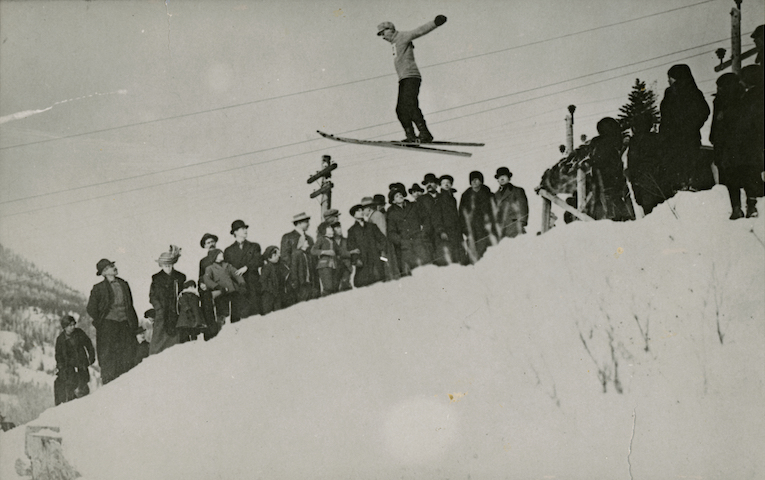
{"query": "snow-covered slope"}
[(598, 350)]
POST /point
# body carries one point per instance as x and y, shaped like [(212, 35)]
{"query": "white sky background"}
[(286, 69)]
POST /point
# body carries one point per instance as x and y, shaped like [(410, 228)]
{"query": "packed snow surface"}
[(597, 350)]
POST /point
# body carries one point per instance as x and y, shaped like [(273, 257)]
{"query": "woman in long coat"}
[(166, 285), (683, 112)]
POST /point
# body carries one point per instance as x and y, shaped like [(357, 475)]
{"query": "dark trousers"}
[(115, 347), (745, 177), (208, 313), (67, 381), (245, 304), (408, 105)]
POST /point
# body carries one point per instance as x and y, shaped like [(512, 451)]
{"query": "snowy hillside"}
[(598, 350), (31, 305)]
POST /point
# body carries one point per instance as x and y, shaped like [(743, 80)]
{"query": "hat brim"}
[(100, 270)]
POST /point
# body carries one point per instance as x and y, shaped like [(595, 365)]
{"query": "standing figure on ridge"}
[(683, 112), (111, 307), (165, 287), (409, 78)]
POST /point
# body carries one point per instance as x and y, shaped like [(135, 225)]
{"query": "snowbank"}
[(597, 350)]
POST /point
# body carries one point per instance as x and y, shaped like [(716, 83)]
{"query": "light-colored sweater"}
[(403, 50)]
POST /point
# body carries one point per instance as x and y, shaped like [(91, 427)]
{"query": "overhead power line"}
[(216, 160), (312, 140), (352, 82)]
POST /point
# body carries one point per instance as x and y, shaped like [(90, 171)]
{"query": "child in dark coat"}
[(190, 319), (74, 353), (273, 276)]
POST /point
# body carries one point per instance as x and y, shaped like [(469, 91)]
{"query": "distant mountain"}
[(31, 305)]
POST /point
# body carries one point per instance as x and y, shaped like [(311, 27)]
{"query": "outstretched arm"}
[(423, 29)]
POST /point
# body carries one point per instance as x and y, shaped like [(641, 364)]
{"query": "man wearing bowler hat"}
[(246, 258), (111, 307), (512, 206), (426, 203), (301, 221), (477, 216), (447, 227)]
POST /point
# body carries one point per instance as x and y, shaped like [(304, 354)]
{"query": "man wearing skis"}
[(409, 78)]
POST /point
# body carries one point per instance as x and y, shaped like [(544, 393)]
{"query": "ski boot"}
[(737, 213), (425, 136), (410, 135)]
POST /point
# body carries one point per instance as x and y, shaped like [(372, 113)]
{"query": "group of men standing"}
[(383, 244)]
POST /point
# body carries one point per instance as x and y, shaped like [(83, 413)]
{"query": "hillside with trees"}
[(31, 304)]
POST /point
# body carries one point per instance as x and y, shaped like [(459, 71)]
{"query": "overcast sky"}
[(128, 126)]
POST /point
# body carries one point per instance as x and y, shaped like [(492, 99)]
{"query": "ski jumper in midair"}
[(409, 78)]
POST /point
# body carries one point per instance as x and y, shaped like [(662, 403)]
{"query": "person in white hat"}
[(409, 78), (301, 221)]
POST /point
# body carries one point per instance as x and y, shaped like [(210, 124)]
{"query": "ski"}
[(444, 143), (400, 145)]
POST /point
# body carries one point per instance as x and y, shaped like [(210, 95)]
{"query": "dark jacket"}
[(289, 245), (163, 295), (273, 277), (409, 230), (249, 255), (75, 351), (101, 299), (190, 312), (371, 243), (512, 210), (446, 220), (683, 112), (477, 206), (749, 136)]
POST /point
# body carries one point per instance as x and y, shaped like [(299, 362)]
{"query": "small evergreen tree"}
[(642, 101)]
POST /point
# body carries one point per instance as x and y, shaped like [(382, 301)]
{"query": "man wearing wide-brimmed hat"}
[(111, 307), (246, 258)]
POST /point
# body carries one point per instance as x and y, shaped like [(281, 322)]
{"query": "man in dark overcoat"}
[(426, 203), (512, 206), (477, 216), (366, 243), (302, 222), (246, 258), (111, 307), (447, 227), (409, 230), (208, 242)]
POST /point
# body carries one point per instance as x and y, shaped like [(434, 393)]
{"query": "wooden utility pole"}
[(735, 38), (325, 190)]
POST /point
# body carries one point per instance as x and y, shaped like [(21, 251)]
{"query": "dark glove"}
[(440, 20)]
